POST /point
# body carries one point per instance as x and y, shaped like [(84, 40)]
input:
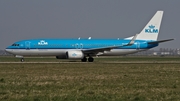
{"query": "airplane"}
[(83, 48)]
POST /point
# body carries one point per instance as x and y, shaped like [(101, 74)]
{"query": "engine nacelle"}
[(74, 54), (71, 54), (62, 57)]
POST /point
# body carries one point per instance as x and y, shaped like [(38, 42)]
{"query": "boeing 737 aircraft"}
[(83, 48)]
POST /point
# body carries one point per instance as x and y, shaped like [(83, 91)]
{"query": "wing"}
[(96, 51)]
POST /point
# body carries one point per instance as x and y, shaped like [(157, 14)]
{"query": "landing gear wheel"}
[(84, 59), (22, 59), (90, 59)]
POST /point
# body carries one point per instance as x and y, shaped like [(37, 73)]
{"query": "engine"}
[(75, 54), (72, 54), (61, 57)]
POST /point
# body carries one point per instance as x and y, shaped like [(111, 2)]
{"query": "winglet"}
[(132, 40)]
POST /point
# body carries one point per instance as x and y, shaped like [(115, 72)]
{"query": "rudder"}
[(151, 30)]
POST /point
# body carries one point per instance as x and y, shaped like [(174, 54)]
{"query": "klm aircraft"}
[(86, 49)]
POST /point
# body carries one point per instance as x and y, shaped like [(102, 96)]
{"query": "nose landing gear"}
[(22, 59)]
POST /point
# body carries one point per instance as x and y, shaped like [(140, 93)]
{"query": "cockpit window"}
[(15, 44)]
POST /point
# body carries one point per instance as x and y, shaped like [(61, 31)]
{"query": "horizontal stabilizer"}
[(155, 42)]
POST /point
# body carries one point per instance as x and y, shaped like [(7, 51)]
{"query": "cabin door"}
[(27, 45), (137, 45)]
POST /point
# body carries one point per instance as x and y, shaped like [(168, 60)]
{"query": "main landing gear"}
[(90, 59)]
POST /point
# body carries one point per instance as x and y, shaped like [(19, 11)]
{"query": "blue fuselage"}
[(78, 44), (57, 47)]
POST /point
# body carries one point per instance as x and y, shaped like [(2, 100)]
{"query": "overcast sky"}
[(32, 19)]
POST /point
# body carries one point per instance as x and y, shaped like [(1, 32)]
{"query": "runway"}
[(108, 62)]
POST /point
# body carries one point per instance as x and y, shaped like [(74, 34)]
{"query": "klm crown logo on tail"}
[(151, 29)]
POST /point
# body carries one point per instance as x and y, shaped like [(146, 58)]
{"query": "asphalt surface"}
[(77, 62)]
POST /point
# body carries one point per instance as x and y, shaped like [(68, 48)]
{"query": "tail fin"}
[(151, 30)]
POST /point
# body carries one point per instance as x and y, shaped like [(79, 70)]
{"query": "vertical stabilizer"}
[(152, 29)]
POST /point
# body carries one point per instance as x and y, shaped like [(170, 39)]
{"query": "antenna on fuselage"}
[(79, 38), (89, 38)]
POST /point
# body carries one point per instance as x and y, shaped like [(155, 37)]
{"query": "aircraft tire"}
[(84, 59), (22, 59), (90, 59)]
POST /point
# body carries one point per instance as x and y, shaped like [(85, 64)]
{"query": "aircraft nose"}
[(8, 50)]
